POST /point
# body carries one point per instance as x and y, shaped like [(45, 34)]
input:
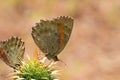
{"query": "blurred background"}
[(93, 51)]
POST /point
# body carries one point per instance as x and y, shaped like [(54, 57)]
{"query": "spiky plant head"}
[(35, 70)]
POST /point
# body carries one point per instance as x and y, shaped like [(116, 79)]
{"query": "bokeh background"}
[(93, 51)]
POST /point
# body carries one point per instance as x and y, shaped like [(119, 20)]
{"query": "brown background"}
[(93, 51)]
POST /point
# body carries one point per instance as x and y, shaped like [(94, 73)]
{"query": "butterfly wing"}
[(51, 36), (65, 28), (12, 51)]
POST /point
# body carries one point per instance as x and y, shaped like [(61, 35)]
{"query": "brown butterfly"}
[(51, 36), (12, 51)]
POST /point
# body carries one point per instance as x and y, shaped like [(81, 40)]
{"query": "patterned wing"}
[(51, 36), (12, 51), (65, 28)]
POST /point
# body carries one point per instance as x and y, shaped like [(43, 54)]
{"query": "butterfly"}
[(12, 52), (51, 36)]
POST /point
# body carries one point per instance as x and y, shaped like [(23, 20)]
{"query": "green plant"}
[(35, 70)]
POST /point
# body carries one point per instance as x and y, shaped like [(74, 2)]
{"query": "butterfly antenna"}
[(63, 62)]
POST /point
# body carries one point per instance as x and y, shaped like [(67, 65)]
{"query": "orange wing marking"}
[(3, 55), (62, 36)]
